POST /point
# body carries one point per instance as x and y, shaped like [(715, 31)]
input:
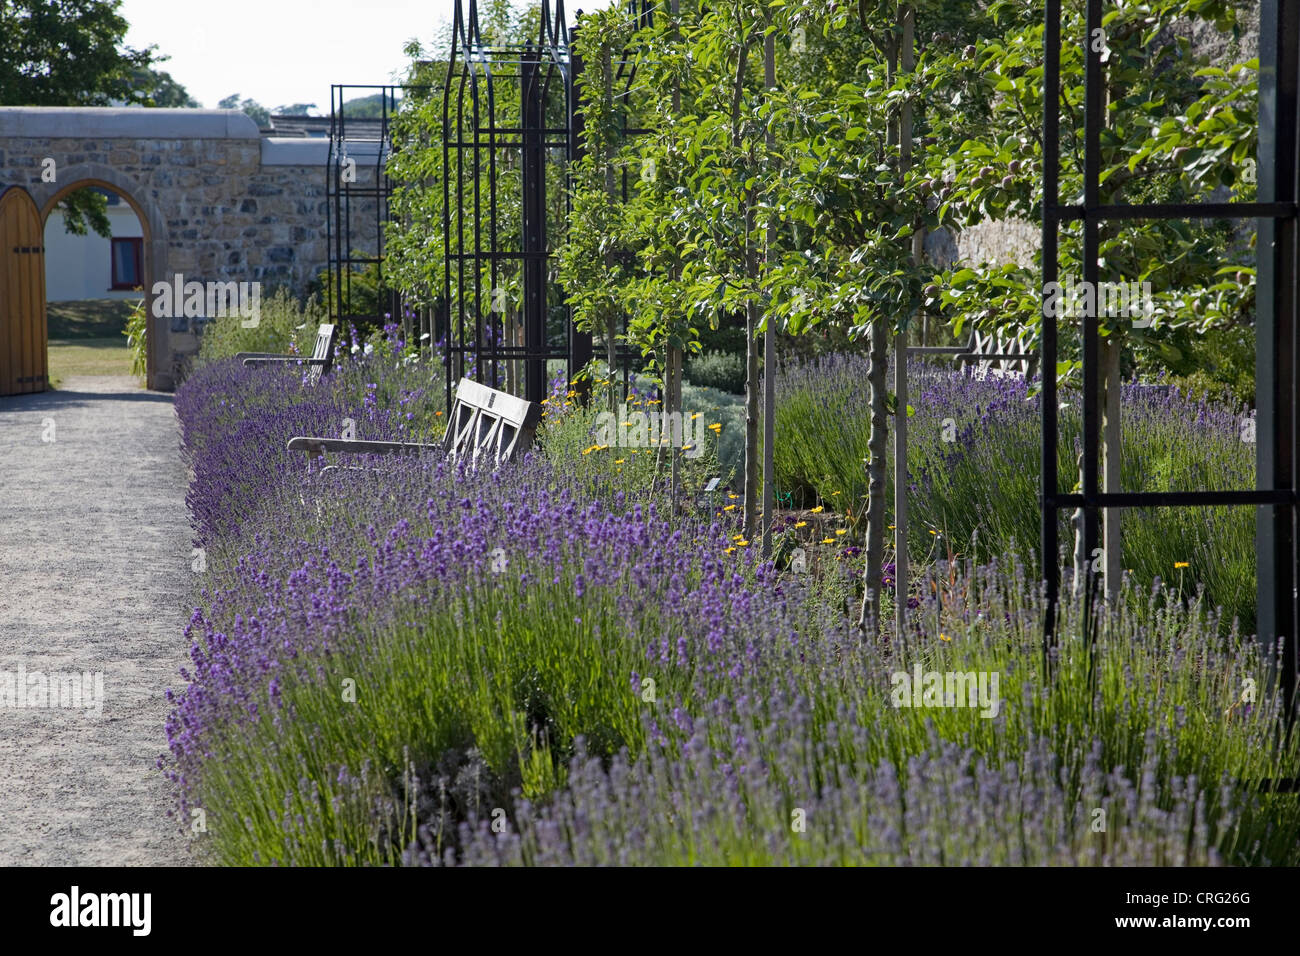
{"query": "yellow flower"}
[(834, 493), (743, 544), (571, 394), (944, 637), (588, 451), (619, 461), (729, 508), (729, 550), (733, 497), (800, 524), (736, 537), (841, 531), (716, 427), (828, 540), (627, 424), (818, 510), (1181, 564), (891, 527), (695, 416), (932, 531)]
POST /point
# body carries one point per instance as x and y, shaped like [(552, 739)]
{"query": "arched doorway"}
[(23, 362), (94, 267)]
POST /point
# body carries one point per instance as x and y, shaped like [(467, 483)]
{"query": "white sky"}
[(280, 52)]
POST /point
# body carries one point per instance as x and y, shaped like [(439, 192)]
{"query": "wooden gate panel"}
[(23, 330)]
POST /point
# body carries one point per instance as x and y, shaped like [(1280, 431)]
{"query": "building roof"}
[(361, 130)]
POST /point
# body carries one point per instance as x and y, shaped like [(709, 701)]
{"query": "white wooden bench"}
[(484, 424), (320, 360)]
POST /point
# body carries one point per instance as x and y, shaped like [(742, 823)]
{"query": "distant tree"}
[(255, 110), (163, 90), (366, 107), (297, 109), (71, 53)]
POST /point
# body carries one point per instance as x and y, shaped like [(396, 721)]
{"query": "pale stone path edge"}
[(94, 557)]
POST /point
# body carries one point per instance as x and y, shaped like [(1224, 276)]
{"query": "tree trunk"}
[(769, 346), (877, 380), (751, 311), (611, 197), (751, 386), (673, 403), (673, 398), (902, 571), (878, 383), (1110, 475)]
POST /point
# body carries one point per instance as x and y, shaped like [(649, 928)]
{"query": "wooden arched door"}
[(23, 362)]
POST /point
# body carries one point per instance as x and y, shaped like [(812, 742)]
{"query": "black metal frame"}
[(345, 247), (1278, 187), (476, 69), (479, 149)]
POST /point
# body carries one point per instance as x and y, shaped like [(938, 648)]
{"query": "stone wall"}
[(218, 201)]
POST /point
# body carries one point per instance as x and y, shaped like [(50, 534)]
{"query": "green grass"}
[(88, 319), (91, 356)]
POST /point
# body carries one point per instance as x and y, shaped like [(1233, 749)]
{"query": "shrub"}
[(724, 371), (363, 290), (286, 326), (973, 460), (136, 341)]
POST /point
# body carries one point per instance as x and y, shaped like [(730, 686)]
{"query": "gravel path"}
[(94, 556)]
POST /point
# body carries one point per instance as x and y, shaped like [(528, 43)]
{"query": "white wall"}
[(80, 267)]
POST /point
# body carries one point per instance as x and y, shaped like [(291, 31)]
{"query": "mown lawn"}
[(101, 356)]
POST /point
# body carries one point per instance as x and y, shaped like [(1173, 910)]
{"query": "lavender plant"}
[(417, 663), (973, 463)]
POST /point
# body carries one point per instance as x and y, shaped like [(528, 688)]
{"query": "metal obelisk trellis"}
[(358, 191), (1274, 497), (511, 123)]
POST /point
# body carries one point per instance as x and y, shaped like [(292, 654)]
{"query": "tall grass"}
[(285, 326)]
